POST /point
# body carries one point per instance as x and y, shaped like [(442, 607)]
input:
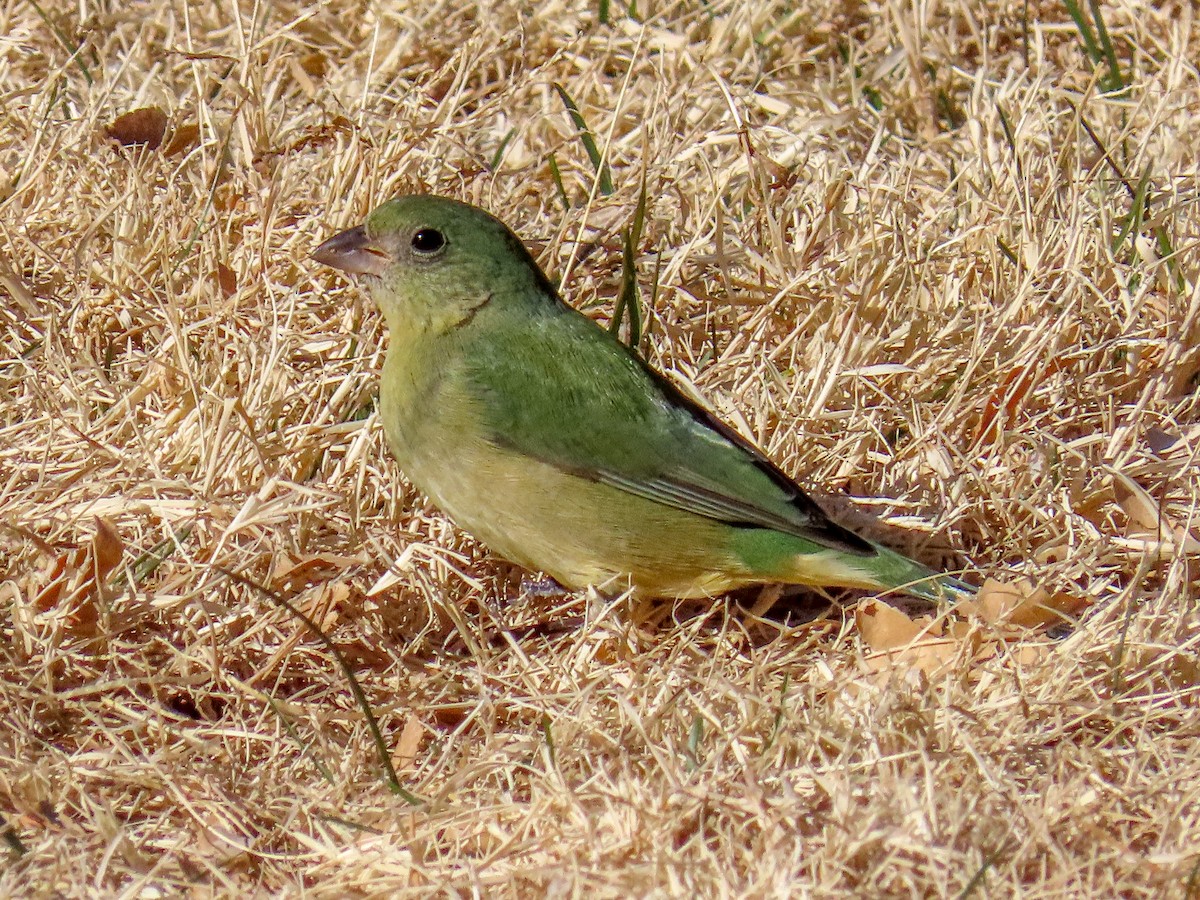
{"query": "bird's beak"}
[(351, 251)]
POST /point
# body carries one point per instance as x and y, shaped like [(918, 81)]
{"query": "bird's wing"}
[(558, 389)]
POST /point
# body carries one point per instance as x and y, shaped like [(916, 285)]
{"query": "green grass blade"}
[(1012, 141), (1085, 30), (498, 156), (779, 713), (629, 301), (1162, 240), (360, 697), (1137, 213), (143, 567), (1114, 82), (548, 736), (75, 51), (588, 141), (558, 183), (695, 737), (1008, 252), (305, 746), (648, 318)]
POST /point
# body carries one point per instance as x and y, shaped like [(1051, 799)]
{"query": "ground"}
[(939, 260)]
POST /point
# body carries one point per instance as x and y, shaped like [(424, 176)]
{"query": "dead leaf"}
[(56, 580), (1159, 441), (451, 715), (932, 656), (1022, 604), (76, 579), (901, 643), (183, 138), (227, 198), (1149, 526), (226, 280), (292, 575), (1054, 550), (884, 628), (306, 70), (139, 127), (1010, 394), (1136, 502), (1024, 654), (314, 63), (410, 742), (107, 548)]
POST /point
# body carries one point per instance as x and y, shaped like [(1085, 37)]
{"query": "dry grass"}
[(888, 251)]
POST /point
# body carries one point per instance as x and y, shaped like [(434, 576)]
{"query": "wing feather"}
[(602, 413)]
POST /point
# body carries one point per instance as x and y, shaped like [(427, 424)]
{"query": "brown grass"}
[(888, 252)]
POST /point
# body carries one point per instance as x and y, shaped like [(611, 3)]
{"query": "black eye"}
[(428, 240)]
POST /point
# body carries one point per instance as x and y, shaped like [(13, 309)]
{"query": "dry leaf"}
[(883, 628), (1136, 503), (107, 548), (910, 645), (1009, 395), (307, 70), (226, 280), (140, 127), (49, 595), (451, 715), (931, 656), (1025, 654), (227, 198), (1054, 550), (76, 577), (183, 138), (314, 63), (1160, 441), (1149, 526), (410, 742), (1022, 604)]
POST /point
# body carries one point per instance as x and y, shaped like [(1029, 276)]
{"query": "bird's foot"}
[(542, 587)]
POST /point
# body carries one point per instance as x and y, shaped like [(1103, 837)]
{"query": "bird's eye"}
[(428, 241)]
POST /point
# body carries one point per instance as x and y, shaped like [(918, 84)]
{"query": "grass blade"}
[(1097, 44), (1114, 82), (305, 747), (75, 52), (1085, 30), (1008, 252), (629, 300), (360, 697), (558, 183), (1137, 214), (498, 156), (694, 739), (1012, 141), (588, 141), (653, 304)]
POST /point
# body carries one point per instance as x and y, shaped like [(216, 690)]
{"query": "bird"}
[(542, 434)]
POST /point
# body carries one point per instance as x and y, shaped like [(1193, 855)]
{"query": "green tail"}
[(895, 570)]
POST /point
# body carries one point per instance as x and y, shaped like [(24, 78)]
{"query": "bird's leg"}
[(768, 596)]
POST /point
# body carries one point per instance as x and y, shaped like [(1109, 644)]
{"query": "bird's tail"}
[(896, 571)]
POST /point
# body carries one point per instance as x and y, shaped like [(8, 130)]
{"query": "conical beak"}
[(351, 251)]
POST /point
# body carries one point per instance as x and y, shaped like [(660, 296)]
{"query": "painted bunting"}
[(555, 444)]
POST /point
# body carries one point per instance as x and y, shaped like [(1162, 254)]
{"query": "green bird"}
[(559, 447)]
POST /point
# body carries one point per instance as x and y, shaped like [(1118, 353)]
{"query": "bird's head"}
[(428, 250)]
